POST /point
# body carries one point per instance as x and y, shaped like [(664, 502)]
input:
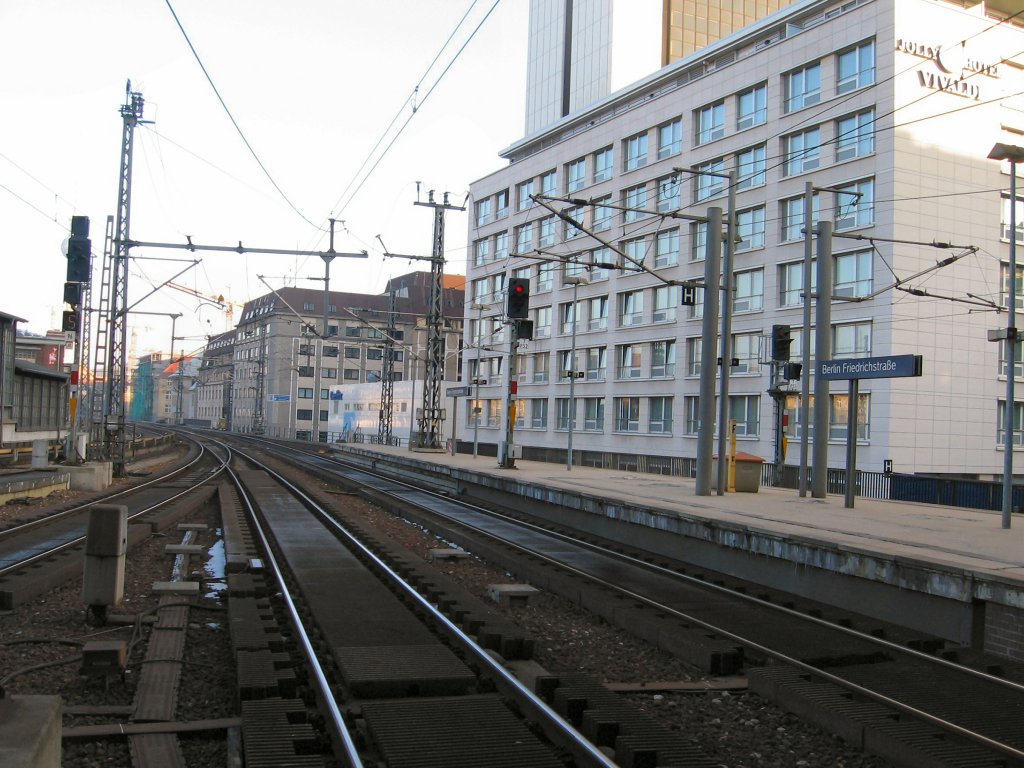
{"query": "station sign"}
[(457, 392), (891, 367), (278, 398)]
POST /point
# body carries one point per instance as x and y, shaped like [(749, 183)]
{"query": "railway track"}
[(407, 677), (897, 694)]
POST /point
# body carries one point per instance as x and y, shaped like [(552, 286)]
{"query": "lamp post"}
[(476, 379), (1008, 336), (575, 281)]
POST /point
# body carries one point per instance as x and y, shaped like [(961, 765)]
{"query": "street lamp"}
[(1008, 336), (476, 379), (575, 281)]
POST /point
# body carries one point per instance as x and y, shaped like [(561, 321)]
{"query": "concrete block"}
[(447, 554), (176, 587), (510, 594), (40, 454), (183, 549), (192, 526), (107, 534), (94, 476), (30, 732), (104, 657)]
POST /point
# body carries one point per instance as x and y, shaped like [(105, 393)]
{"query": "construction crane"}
[(228, 304)]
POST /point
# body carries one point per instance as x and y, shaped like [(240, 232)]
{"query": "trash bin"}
[(748, 472)]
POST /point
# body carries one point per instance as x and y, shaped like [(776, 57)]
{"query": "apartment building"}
[(888, 110)]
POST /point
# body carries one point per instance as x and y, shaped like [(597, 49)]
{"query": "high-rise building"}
[(689, 25), (883, 113), (568, 60)]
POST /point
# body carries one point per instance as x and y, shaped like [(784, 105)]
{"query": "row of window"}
[(654, 415), (801, 87), (657, 359), (853, 209), (351, 353)]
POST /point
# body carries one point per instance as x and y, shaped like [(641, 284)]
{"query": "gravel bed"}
[(737, 730)]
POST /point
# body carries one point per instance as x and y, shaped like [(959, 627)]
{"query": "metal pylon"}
[(117, 318), (387, 377)]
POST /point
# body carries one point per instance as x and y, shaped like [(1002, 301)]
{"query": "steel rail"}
[(880, 698), (323, 686), (579, 745)]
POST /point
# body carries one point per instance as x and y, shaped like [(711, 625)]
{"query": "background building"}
[(689, 25), (889, 109), (279, 356)]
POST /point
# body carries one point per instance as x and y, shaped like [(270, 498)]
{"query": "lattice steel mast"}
[(430, 415), (387, 376), (117, 312)]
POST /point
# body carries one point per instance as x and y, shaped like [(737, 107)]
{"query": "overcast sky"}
[(313, 84)]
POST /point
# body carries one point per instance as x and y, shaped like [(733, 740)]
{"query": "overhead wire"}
[(234, 122)]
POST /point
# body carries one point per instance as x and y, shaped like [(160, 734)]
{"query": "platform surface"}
[(957, 539)]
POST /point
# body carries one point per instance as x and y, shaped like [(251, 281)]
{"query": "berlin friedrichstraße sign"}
[(870, 367)]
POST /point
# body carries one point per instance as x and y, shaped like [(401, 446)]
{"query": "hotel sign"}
[(954, 70)]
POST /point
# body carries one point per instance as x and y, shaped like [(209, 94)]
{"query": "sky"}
[(313, 85)]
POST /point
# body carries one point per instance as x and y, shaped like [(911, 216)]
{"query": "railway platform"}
[(951, 571)]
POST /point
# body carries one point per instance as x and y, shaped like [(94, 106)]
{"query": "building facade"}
[(213, 382), (887, 111), (568, 58), (689, 25), (281, 357)]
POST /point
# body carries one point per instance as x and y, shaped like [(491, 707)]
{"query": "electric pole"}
[(387, 376)]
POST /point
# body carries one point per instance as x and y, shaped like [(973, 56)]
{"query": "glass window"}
[(635, 198), (1004, 283), (749, 291), (304, 414), (802, 88), (631, 308), (710, 123), (855, 205), (791, 283), (597, 363), (577, 214), (562, 413), (635, 151), (665, 303), (593, 414), (1018, 220), (627, 414), (670, 139), (793, 217), (750, 167), (305, 393), (630, 361), (481, 290), (524, 192), (374, 354), (693, 356), (603, 161), (501, 246), (545, 276), (750, 228), (855, 135), (801, 152), (838, 416), (598, 314), (602, 214), (567, 317), (351, 375), (540, 367), (539, 413), (576, 175), (482, 250), (546, 236), (666, 251), (668, 194), (710, 179), (483, 212), (852, 274), (698, 240), (501, 198), (635, 250), (352, 353), (659, 418), (746, 411), (542, 322), (855, 68), (746, 348), (1018, 420), (524, 238), (549, 183), (600, 256), (663, 358), (852, 340), (752, 107), (691, 405)]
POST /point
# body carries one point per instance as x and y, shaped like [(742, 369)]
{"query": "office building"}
[(888, 110)]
